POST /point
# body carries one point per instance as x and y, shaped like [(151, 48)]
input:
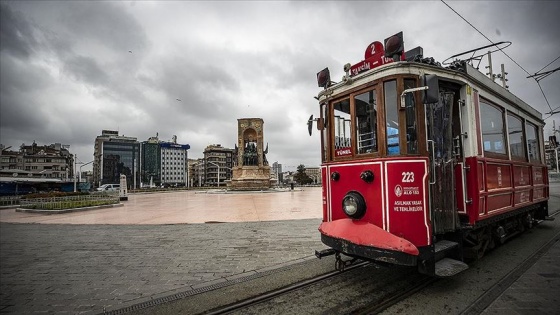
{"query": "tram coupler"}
[(324, 253), (340, 264)]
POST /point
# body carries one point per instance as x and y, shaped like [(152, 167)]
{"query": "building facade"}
[(218, 163), (164, 163), (115, 155), (276, 172), (46, 161), (197, 173), (314, 173), (151, 162), (174, 163)]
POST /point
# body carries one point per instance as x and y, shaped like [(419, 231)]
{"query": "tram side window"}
[(533, 143), (410, 106), (516, 142), (366, 122), (392, 118), (492, 123), (324, 131), (342, 133)]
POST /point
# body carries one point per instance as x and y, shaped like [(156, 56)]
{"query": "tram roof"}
[(470, 76)]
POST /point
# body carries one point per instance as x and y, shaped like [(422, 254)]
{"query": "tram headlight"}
[(354, 205)]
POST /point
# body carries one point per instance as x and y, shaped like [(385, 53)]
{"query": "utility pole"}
[(75, 164)]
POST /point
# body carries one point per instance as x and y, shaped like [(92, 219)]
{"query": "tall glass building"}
[(164, 162), (115, 155)]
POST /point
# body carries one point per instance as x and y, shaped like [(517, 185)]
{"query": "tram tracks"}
[(240, 306), (369, 289), (379, 291)]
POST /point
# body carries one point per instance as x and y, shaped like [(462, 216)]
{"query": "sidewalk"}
[(537, 291)]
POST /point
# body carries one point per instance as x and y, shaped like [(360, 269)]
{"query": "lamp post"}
[(218, 165), (75, 164), (80, 174)]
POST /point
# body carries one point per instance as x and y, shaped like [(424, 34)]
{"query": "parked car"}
[(109, 187)]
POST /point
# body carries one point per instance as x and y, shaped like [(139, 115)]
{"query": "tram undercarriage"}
[(493, 232)]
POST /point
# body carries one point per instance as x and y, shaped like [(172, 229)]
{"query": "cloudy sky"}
[(72, 68)]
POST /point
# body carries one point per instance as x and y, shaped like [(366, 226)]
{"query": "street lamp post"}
[(218, 165), (75, 164), (80, 174)]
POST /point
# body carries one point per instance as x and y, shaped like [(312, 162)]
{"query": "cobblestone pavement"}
[(537, 291), (83, 268)]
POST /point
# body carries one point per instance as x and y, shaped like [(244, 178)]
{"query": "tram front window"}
[(410, 105), (342, 133), (366, 122), (392, 117)]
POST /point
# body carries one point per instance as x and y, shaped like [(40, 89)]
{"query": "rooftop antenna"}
[(489, 66), (502, 77)]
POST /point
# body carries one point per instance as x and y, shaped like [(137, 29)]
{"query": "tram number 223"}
[(407, 177)]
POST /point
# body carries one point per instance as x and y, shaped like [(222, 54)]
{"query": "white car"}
[(109, 187)]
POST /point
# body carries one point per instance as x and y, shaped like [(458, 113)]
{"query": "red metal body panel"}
[(460, 188), (396, 200), (407, 200), (325, 179), (499, 186), (350, 181), (366, 234)]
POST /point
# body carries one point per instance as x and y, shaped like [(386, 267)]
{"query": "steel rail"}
[(481, 303), (285, 290), (379, 306)]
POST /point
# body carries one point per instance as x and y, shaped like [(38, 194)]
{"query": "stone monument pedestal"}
[(250, 178), (251, 170)]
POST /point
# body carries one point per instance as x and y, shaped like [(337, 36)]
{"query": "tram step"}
[(444, 245), (448, 267)]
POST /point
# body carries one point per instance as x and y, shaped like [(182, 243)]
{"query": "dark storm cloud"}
[(107, 23), (16, 35), (201, 86), (86, 69)]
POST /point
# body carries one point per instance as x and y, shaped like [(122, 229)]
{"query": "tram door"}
[(439, 117)]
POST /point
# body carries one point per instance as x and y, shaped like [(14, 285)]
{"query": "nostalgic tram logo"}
[(398, 190)]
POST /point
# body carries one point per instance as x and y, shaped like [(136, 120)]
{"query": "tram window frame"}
[(324, 132), (391, 110), (371, 117), (514, 151), (411, 118), (341, 153), (537, 156), (489, 144)]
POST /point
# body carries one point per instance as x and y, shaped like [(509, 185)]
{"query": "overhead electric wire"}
[(548, 64), (464, 19)]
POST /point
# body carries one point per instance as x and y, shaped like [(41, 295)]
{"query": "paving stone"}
[(83, 268)]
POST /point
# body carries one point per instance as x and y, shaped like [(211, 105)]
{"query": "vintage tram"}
[(425, 165)]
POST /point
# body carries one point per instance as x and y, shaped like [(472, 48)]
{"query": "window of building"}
[(516, 141), (492, 124), (533, 142)]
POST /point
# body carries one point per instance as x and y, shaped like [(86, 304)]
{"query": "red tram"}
[(424, 165)]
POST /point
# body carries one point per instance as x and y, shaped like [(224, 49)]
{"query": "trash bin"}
[(292, 186)]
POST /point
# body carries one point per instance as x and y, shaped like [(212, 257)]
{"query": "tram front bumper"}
[(366, 240)]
